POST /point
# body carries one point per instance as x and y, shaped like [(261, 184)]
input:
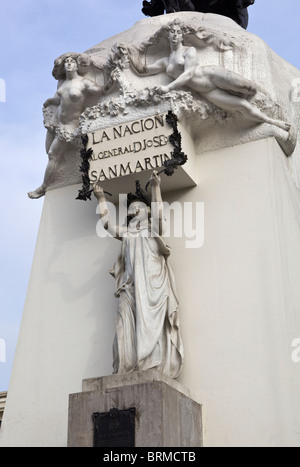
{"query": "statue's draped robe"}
[(147, 328)]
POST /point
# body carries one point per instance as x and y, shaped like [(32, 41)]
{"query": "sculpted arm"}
[(157, 204), (157, 67), (132, 55), (115, 230), (93, 88), (53, 100)]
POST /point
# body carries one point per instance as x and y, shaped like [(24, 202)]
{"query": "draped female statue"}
[(147, 326)]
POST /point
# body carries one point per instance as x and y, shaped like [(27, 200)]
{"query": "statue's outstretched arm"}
[(133, 54), (157, 213), (157, 67), (114, 229)]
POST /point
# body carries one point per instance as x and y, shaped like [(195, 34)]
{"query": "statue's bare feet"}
[(37, 193), (283, 125), (287, 126)]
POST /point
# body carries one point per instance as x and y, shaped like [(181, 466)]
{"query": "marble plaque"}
[(134, 149)]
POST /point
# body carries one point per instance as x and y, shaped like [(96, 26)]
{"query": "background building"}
[(3, 396)]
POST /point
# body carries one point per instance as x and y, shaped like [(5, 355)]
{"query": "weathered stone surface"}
[(165, 415)]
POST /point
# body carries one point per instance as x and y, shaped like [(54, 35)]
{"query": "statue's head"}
[(69, 62), (176, 32), (138, 204), (139, 211)]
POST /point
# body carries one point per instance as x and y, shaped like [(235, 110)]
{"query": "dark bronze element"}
[(86, 192), (139, 195), (114, 429), (234, 9), (178, 157)]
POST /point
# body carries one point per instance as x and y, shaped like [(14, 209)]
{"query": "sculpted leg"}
[(50, 137), (227, 101), (232, 82), (55, 154), (124, 349)]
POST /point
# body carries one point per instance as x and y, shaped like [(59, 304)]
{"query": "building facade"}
[(3, 396)]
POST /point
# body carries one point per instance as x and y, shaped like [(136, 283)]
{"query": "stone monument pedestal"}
[(165, 415), (235, 247)]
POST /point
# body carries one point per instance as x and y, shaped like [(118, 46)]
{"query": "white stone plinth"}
[(239, 306)]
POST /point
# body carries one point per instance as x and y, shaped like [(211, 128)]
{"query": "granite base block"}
[(165, 414)]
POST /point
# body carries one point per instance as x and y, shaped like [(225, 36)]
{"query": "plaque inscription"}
[(115, 428), (129, 148)]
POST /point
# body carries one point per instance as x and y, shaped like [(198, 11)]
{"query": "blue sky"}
[(32, 34)]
